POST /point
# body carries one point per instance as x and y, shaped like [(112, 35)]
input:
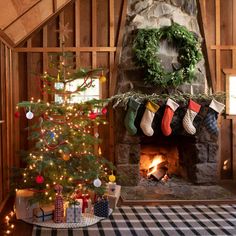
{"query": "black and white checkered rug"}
[(158, 220)]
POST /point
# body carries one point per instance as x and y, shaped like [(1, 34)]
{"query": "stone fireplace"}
[(190, 157), (193, 158), (189, 163)]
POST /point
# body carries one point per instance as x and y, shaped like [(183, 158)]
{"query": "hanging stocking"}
[(130, 116), (148, 116), (210, 121), (193, 109), (171, 107)]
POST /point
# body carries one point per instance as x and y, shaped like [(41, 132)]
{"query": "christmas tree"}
[(64, 132)]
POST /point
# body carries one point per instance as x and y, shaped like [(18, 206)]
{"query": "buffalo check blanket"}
[(171, 220)]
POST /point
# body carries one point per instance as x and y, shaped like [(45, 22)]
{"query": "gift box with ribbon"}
[(101, 207), (114, 197), (73, 213), (87, 203), (23, 205), (43, 213), (111, 188)]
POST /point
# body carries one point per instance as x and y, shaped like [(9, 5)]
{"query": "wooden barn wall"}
[(95, 40), (219, 21), (8, 125)]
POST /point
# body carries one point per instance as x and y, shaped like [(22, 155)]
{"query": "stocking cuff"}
[(172, 104), (152, 106), (133, 104), (194, 106), (217, 106)]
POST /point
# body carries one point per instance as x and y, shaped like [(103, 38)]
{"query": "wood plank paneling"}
[(85, 23), (77, 31), (220, 23), (7, 151), (118, 50), (208, 30)]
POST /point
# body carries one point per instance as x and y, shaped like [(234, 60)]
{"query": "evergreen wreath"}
[(146, 44)]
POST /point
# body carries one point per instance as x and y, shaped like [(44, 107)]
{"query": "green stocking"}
[(130, 116)]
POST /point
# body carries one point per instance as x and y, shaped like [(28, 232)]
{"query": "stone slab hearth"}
[(175, 189)]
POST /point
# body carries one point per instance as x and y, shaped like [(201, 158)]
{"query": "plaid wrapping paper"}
[(73, 213), (174, 220), (101, 208), (59, 209)]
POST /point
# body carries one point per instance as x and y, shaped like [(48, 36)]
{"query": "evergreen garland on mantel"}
[(183, 98), (146, 45)]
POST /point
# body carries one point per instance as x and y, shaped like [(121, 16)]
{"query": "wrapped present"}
[(43, 213), (101, 207), (86, 201), (23, 206), (113, 198), (59, 205), (111, 188), (73, 213)]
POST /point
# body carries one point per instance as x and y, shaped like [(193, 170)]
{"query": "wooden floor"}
[(24, 229), (21, 228)]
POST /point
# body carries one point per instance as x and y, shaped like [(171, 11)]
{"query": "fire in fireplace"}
[(158, 168), (160, 162)]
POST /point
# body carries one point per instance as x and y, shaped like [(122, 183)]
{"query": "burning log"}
[(158, 174), (157, 166), (158, 171)]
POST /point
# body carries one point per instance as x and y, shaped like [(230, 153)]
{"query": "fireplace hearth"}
[(191, 157)]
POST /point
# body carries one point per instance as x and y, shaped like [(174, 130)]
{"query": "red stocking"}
[(171, 106)]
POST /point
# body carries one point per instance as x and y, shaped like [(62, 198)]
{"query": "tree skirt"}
[(86, 220)]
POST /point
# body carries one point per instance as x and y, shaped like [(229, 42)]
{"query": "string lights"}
[(9, 225)]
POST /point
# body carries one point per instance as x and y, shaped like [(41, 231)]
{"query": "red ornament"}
[(17, 114), (39, 179), (92, 115), (104, 110)]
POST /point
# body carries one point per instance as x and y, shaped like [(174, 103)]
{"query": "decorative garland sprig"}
[(146, 46), (123, 99)]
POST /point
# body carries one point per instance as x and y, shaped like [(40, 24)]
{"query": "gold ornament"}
[(112, 178), (66, 157), (102, 78)]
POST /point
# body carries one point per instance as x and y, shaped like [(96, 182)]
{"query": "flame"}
[(153, 166)]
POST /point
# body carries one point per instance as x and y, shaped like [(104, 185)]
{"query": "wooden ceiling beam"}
[(39, 27), (4, 38), (20, 15), (68, 49)]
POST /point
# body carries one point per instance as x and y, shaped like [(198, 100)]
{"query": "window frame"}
[(229, 73)]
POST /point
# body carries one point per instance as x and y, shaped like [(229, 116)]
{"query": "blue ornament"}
[(51, 134)]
